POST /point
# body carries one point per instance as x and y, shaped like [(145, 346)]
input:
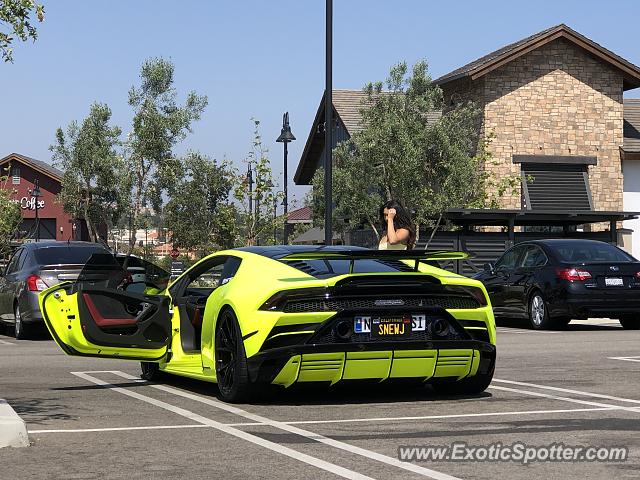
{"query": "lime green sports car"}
[(283, 315)]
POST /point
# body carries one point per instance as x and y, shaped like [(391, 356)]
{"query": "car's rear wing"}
[(419, 256)]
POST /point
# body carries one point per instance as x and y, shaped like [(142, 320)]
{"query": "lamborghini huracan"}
[(285, 315)]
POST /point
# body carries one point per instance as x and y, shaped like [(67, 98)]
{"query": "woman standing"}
[(400, 233)]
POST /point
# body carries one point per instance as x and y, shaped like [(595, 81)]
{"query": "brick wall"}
[(555, 100)]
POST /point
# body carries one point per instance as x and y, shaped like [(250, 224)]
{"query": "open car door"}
[(107, 314)]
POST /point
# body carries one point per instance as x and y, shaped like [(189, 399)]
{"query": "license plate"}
[(399, 326), (613, 282), (362, 323)]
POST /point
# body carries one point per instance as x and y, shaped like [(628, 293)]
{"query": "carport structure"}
[(486, 245)]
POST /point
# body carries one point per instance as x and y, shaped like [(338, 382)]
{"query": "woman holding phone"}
[(400, 233)]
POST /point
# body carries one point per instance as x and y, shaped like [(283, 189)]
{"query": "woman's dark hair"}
[(402, 219)]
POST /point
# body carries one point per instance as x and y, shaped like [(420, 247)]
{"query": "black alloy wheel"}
[(231, 362)]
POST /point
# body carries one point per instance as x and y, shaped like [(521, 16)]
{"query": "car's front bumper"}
[(332, 363)]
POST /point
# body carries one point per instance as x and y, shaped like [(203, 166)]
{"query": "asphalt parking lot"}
[(91, 418)]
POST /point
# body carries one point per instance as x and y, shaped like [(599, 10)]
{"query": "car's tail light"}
[(573, 274), (477, 294), (36, 284), (637, 276)]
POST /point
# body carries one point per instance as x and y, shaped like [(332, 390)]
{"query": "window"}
[(331, 268), (509, 259), (555, 182), (15, 175), (591, 252), (533, 257), (12, 266)]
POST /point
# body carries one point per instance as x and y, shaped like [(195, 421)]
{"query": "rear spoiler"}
[(352, 255)]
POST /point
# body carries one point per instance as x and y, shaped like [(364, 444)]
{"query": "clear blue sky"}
[(258, 58)]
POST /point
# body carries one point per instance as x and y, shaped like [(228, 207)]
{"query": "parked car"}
[(283, 315), (32, 268), (550, 282)]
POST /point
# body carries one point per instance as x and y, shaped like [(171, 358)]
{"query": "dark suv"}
[(33, 267)]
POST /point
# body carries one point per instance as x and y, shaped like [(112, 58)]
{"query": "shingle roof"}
[(301, 215), (514, 50), (631, 125), (39, 165)]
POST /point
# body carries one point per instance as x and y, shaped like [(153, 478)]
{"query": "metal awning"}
[(498, 217)]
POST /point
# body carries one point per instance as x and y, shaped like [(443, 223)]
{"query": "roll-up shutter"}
[(555, 187)]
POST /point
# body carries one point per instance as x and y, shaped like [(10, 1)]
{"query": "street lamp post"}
[(285, 137), (328, 131), (35, 193)]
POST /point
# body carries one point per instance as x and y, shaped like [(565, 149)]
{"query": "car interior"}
[(191, 295)]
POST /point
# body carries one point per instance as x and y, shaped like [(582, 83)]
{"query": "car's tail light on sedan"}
[(573, 274), (36, 284)]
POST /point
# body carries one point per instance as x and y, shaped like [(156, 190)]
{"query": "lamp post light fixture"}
[(285, 137)]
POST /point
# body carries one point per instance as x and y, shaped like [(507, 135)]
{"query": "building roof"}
[(301, 215), (347, 107), (631, 126), (487, 63), (38, 165)]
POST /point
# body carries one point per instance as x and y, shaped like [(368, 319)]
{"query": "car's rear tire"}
[(631, 322), (150, 371), (20, 330), (538, 312), (467, 386), (232, 373)]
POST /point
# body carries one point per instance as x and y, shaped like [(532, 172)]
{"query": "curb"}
[(13, 431)]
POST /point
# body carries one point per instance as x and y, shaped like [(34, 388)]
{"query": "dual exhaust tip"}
[(438, 327)]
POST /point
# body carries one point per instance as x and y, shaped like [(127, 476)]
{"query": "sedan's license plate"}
[(613, 282)]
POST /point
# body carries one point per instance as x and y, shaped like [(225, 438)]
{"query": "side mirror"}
[(490, 268)]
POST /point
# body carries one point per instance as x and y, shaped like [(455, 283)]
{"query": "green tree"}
[(17, 23), (258, 221), (404, 153), (159, 123), (199, 214), (10, 216), (95, 183)]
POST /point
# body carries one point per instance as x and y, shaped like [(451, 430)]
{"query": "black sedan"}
[(550, 282), (32, 268)]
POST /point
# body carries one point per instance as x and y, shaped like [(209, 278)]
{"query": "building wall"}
[(557, 100), (631, 201), (49, 207)]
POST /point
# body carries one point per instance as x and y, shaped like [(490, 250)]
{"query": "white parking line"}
[(523, 331), (626, 359), (370, 454), (316, 462), (120, 429), (567, 390), (565, 399), (342, 420), (4, 342)]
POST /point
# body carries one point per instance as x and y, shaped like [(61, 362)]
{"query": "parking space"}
[(91, 418)]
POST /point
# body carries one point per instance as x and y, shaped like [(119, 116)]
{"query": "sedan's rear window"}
[(591, 252), (330, 268), (66, 254)]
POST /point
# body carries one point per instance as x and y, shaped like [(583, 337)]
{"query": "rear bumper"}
[(598, 304), (333, 363), (29, 308)]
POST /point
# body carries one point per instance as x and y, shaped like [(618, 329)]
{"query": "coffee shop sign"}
[(29, 203)]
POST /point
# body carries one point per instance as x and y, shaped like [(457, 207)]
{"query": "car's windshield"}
[(591, 252), (66, 254)]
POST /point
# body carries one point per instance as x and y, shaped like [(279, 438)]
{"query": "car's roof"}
[(55, 243), (557, 242), (279, 251)]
